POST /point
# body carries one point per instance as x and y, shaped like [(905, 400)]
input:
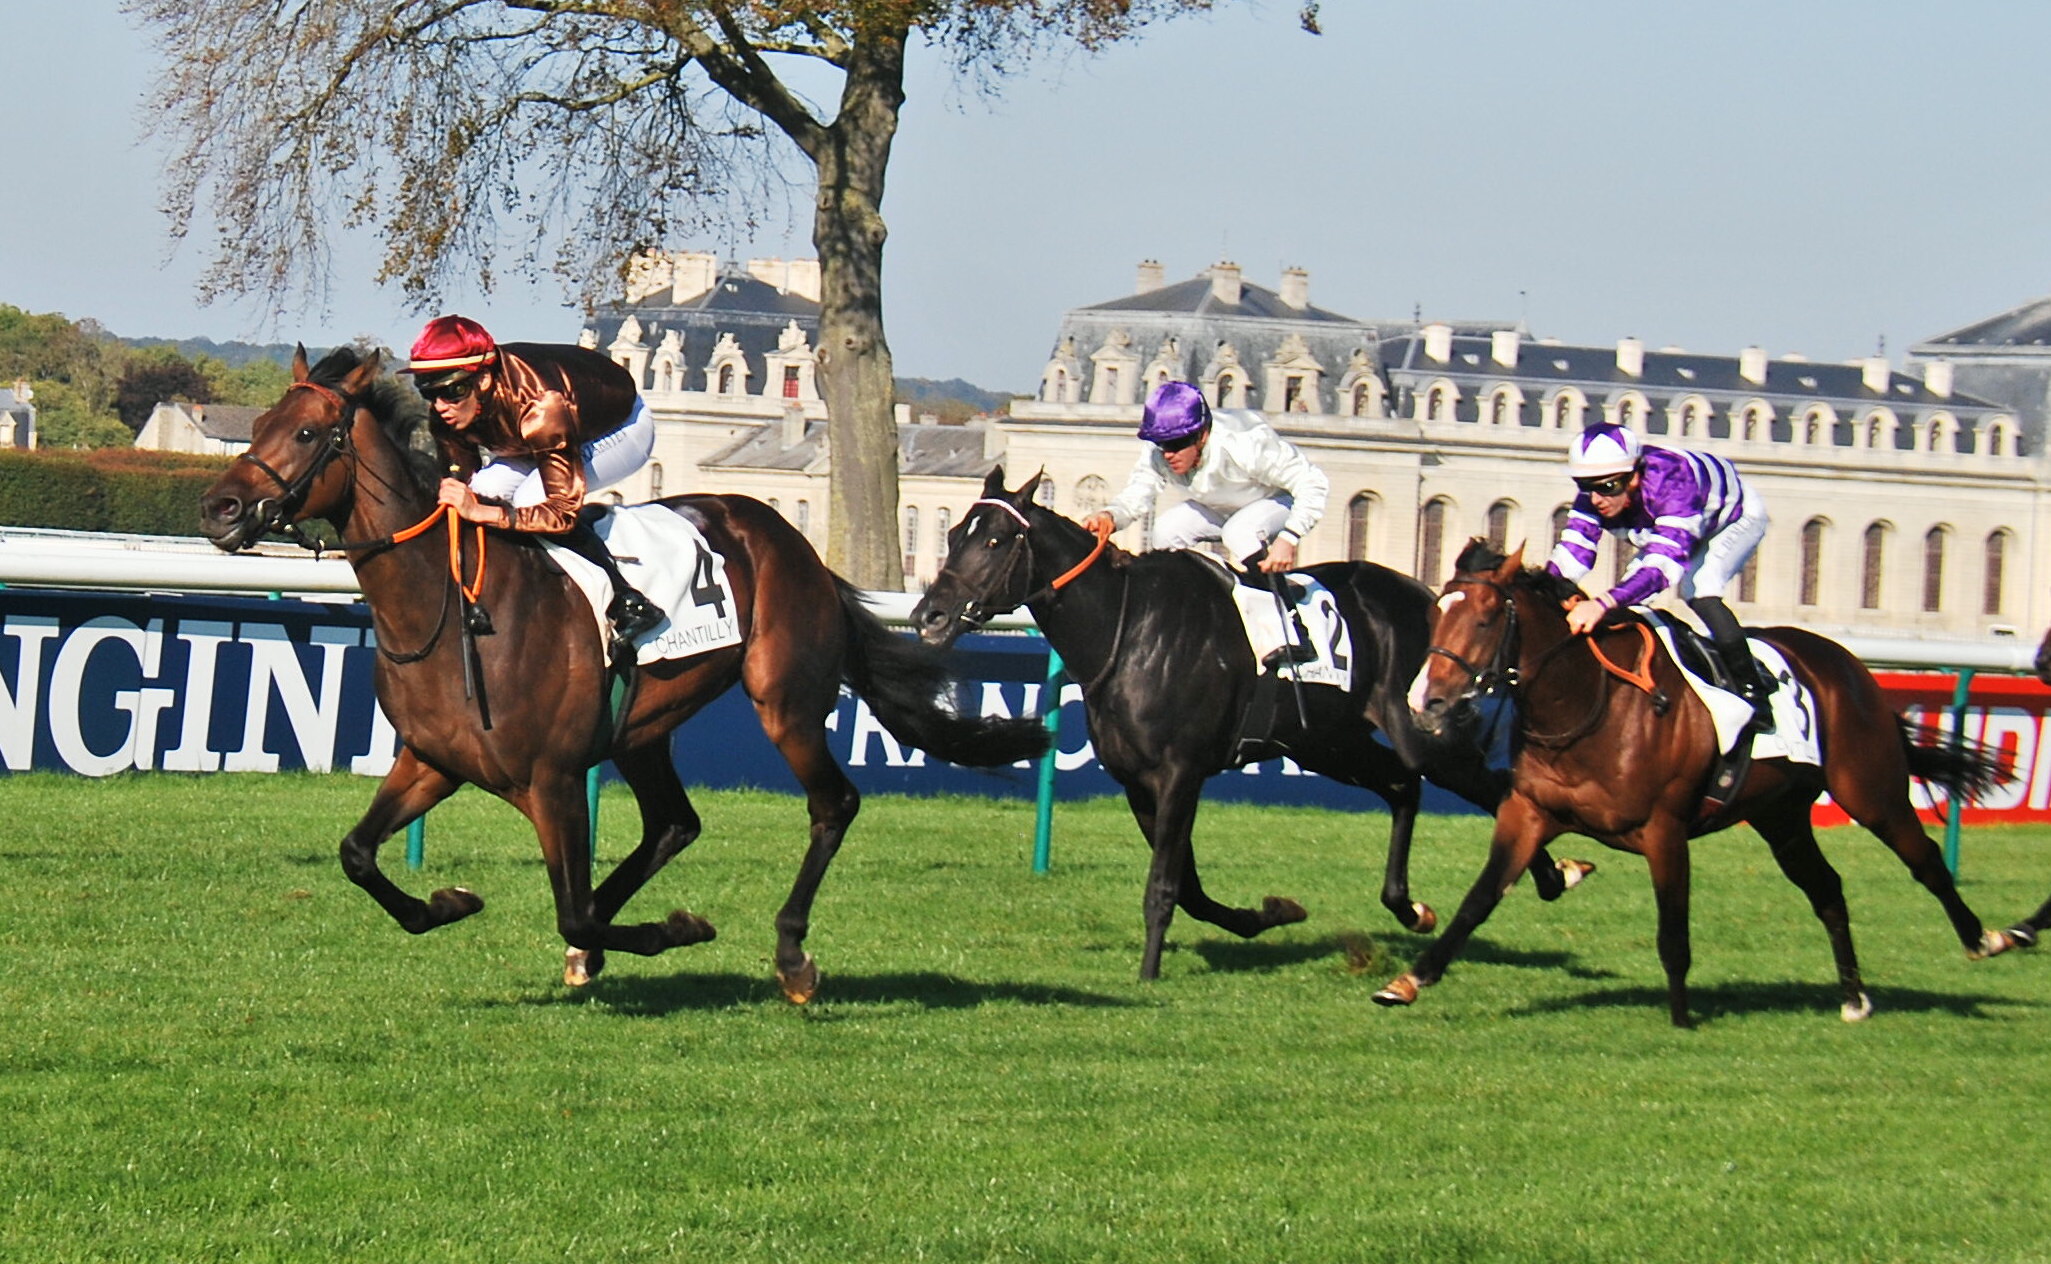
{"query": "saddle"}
[(1697, 654)]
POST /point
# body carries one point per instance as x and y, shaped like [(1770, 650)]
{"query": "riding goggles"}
[(1607, 485), (449, 392)]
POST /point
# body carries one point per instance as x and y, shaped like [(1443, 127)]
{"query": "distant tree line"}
[(94, 390)]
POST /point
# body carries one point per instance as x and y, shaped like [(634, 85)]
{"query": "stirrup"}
[(633, 615)]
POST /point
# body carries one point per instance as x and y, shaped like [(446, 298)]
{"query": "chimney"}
[(772, 272), (694, 271), (793, 427), (1225, 283), (1438, 342), (801, 277), (1631, 357), (1502, 347), (993, 440), (1752, 365), (1150, 278), (1295, 288), (1937, 378), (901, 414), (1873, 371)]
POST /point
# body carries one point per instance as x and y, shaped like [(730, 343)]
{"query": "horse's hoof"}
[(801, 984), (1423, 921), (453, 904), (1857, 1011), (1280, 910), (688, 928), (1992, 944), (2023, 934), (1573, 871), (1401, 990), (581, 965)]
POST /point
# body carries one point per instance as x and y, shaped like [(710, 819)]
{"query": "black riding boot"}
[(1748, 678), (631, 613)]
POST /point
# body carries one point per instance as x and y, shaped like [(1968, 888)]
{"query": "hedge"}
[(106, 489)]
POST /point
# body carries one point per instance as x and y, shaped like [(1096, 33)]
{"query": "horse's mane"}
[(399, 410), (1481, 557)]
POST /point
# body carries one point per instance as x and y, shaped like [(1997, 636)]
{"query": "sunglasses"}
[(1180, 445), (453, 392), (1613, 485)]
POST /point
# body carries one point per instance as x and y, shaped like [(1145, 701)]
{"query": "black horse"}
[(1168, 674)]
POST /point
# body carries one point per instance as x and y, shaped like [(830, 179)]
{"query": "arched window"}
[(655, 480), (1748, 580), (1045, 495), (804, 516), (1933, 570), (1431, 542), (942, 521), (1559, 522), (1872, 556), (790, 381), (726, 379), (1809, 590), (1626, 553), (1997, 564), (1091, 494), (1499, 524), (1359, 512), (1754, 425), (911, 541), (1363, 399), (1438, 404)]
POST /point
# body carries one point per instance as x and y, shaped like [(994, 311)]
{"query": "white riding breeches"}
[(1244, 532), (1724, 554), (607, 460)]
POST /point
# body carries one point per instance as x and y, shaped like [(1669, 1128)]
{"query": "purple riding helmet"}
[(1176, 410)]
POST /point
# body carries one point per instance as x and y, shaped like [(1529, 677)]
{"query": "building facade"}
[(1902, 503)]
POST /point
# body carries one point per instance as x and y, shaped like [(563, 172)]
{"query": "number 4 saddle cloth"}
[(665, 556)]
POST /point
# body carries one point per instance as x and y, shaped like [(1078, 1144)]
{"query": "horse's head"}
[(1474, 637), (301, 459), (989, 566)]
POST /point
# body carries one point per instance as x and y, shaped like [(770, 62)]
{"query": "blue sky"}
[(1809, 177)]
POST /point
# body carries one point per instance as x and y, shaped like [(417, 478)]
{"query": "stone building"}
[(212, 429), (1903, 503)]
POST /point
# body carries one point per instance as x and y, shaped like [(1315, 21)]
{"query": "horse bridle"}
[(974, 613), (275, 514), (1503, 675)]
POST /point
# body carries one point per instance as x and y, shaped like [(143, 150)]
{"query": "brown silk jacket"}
[(548, 402)]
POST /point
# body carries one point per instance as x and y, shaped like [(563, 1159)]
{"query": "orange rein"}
[(469, 590), (1068, 576), (1640, 676)]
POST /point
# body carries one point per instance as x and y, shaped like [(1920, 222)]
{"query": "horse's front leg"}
[(668, 825), (1521, 829), (1404, 796), (406, 793), (556, 805), (1166, 812)]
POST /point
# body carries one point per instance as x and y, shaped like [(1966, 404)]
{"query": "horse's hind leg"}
[(1787, 831), (2026, 931), (405, 794), (668, 825), (831, 801), (1895, 823)]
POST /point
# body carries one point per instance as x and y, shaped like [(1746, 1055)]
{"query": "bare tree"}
[(584, 131)]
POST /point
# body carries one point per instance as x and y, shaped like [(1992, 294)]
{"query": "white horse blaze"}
[(1418, 687)]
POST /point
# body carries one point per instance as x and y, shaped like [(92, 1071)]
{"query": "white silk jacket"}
[(1244, 461)]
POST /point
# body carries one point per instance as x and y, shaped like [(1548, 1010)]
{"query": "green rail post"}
[(1952, 807), (1043, 819), (416, 843), (591, 810)]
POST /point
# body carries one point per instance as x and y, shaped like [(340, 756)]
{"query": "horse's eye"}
[(306, 434), (990, 543)]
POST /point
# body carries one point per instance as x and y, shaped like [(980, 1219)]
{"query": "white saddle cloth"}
[(1326, 632), (1794, 709), (666, 557)]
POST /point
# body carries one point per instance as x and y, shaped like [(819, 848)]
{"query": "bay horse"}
[(1627, 765), (333, 448), (1167, 672)]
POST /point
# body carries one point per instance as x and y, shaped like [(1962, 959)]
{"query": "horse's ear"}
[(1513, 565), (300, 369), (1029, 491), (365, 372), (993, 483)]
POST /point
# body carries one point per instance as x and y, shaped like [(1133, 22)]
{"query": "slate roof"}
[(1195, 298), (1669, 373), (933, 451), (2026, 326), (229, 423), (754, 312)]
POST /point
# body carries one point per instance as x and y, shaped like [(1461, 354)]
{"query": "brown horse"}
[(333, 448), (1628, 766)]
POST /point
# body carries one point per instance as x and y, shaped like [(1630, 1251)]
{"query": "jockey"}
[(1246, 485), (552, 424), (1694, 522)]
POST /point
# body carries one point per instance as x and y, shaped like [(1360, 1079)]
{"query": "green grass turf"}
[(212, 1047)]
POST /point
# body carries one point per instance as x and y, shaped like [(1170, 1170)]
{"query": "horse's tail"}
[(907, 684), (1965, 769)]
